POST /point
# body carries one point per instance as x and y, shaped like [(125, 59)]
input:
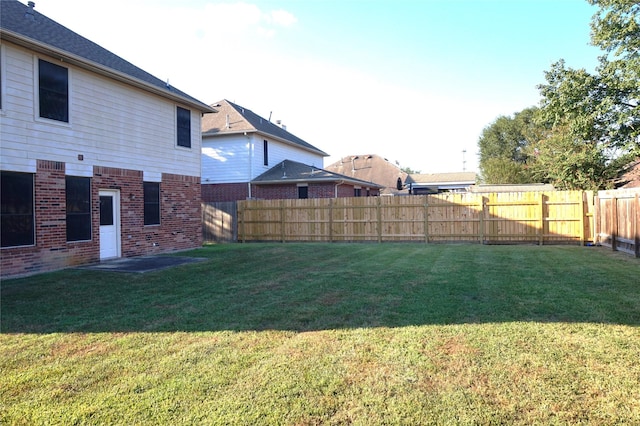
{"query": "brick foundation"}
[(180, 220)]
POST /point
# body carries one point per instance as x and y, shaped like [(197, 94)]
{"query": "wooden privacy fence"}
[(219, 222), (617, 220), (541, 217)]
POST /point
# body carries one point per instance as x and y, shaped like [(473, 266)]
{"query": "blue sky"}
[(412, 81)]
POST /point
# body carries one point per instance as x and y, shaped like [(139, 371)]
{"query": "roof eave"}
[(83, 63)]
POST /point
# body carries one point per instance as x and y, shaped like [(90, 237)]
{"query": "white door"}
[(109, 224)]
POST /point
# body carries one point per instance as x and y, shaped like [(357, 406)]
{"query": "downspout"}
[(250, 145)]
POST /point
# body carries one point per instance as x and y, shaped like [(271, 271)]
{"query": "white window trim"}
[(36, 92)]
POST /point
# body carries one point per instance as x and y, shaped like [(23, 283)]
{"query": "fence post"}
[(331, 220), (582, 217), (282, 221), (379, 210), (541, 223), (481, 217), (241, 220), (426, 219), (636, 226), (614, 225)]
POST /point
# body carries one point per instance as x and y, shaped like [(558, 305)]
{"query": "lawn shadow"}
[(245, 288)]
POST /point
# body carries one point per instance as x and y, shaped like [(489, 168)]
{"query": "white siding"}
[(239, 158), (225, 159), (110, 124)]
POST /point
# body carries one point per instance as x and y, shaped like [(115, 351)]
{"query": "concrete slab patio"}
[(142, 264)]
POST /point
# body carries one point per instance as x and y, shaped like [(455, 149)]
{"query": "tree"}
[(503, 147), (603, 107), (569, 164)]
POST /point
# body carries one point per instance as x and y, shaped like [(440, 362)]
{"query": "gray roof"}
[(372, 168), (289, 171), (234, 119), (27, 27), (442, 178)]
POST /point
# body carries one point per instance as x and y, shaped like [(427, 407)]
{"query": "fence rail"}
[(541, 217), (617, 222)]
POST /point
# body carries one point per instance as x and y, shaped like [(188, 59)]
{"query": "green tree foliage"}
[(568, 163), (595, 117), (504, 153), (588, 125)]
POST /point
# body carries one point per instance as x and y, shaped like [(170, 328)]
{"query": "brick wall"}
[(180, 222), (220, 192)]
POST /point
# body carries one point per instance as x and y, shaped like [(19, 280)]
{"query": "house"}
[(629, 176), (98, 158), (439, 182), (507, 187), (238, 145), (291, 179), (371, 168)]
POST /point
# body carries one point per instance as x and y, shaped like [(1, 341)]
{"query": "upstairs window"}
[(78, 194), (151, 203), (184, 127), (265, 152), (16, 211), (53, 84)]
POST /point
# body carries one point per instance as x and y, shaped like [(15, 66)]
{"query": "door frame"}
[(115, 193)]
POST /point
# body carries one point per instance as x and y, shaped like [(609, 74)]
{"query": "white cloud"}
[(283, 18)]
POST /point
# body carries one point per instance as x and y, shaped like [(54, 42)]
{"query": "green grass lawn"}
[(330, 334)]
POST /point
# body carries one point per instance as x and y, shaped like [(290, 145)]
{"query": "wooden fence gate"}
[(617, 220), (219, 222)]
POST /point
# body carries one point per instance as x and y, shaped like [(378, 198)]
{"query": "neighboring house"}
[(630, 176), (239, 145), (99, 159), (291, 179), (371, 168), (508, 187), (418, 184)]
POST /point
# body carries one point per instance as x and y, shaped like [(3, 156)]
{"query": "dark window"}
[(78, 193), (303, 192), (54, 91), (151, 203), (184, 127), (265, 149), (357, 192), (106, 210), (16, 199)]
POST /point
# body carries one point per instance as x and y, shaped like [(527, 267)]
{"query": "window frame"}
[(30, 240), (66, 93), (153, 202), (81, 213), (183, 132)]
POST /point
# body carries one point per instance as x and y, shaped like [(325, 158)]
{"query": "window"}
[(303, 192), (53, 91), (16, 200), (151, 203), (78, 194), (265, 150), (184, 127), (357, 192)]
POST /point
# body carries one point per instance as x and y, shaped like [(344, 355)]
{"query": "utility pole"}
[(464, 160)]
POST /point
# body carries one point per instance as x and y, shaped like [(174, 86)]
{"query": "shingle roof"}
[(23, 25), (232, 119), (372, 168), (442, 178), (293, 171)]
